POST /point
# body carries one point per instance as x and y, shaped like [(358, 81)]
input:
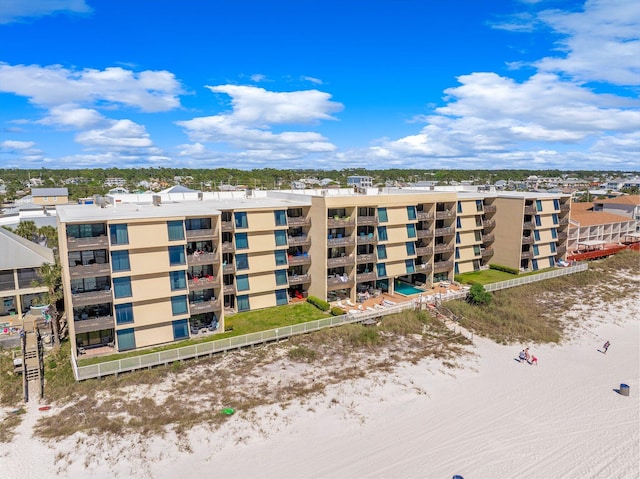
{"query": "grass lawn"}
[(236, 325), (487, 276)]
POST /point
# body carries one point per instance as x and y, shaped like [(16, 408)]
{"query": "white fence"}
[(537, 277)]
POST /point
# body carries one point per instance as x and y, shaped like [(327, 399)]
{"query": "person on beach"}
[(534, 360), (522, 356), (527, 356), (605, 347)]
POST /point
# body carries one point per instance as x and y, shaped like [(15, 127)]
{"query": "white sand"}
[(496, 418)]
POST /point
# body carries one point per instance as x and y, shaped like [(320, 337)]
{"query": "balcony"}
[(96, 242), (342, 261), (299, 279), (561, 249), (341, 222), (424, 268), (205, 306), (424, 251), (565, 207), (199, 234), (299, 259), (226, 225), (228, 268), (367, 221), (490, 208), (203, 258), (526, 254), (339, 282), (298, 240), (229, 289), (366, 258), (93, 324), (440, 266), (527, 240), (424, 233), (530, 210), (562, 236), (563, 221), (92, 297), (89, 270), (486, 251), (527, 225), (298, 221), (441, 215), (443, 248), (425, 216), (368, 276), (198, 284), (488, 223), (447, 231), (488, 238), (227, 247), (366, 238), (346, 241)]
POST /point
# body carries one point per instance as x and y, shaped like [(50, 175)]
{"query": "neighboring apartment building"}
[(626, 205), (360, 181), (594, 229), (150, 269), (20, 261)]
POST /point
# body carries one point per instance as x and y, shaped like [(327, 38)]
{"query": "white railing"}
[(537, 277)]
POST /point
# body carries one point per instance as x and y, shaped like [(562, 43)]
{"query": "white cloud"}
[(70, 116), (16, 10), (317, 81), (149, 91), (120, 134), (16, 145)]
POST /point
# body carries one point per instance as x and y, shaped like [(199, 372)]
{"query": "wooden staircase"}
[(32, 359)]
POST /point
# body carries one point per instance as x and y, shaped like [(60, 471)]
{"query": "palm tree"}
[(27, 229), (51, 277)]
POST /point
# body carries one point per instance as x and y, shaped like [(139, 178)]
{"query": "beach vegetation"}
[(478, 295)]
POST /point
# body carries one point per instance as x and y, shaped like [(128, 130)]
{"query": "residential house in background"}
[(625, 205)]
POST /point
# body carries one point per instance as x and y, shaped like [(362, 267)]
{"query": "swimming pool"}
[(406, 289)]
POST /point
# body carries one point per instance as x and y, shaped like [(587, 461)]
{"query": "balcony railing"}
[(527, 240), (226, 225), (424, 251), (96, 242), (530, 210), (346, 241), (424, 233), (229, 289), (564, 207), (341, 261), (92, 297), (299, 279), (440, 266), (203, 283), (444, 231), (205, 306), (527, 225), (424, 268), (486, 251), (563, 235), (563, 221), (488, 238), (561, 249), (367, 220), (93, 324), (339, 282), (526, 254), (89, 270), (227, 247), (204, 233), (490, 208), (296, 240), (444, 248), (366, 258), (368, 276), (203, 258), (425, 215), (298, 221), (440, 215), (366, 238), (228, 268), (488, 223), (300, 259), (340, 222)]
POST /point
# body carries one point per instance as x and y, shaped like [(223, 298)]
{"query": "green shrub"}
[(335, 311), (506, 269), (478, 295), (319, 303)]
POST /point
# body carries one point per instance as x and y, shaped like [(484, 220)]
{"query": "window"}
[(124, 313), (538, 220), (242, 261), (382, 251), (243, 302), (242, 282), (534, 264), (556, 204), (281, 277), (457, 237), (119, 234), (552, 261), (478, 235), (479, 206), (536, 250), (459, 207), (281, 257), (86, 230), (456, 269), (476, 250), (555, 218), (281, 237), (553, 248), (281, 217), (122, 287), (381, 269), (411, 267), (242, 241), (382, 233), (281, 297), (411, 248), (457, 253), (178, 280), (411, 231), (458, 222), (554, 233), (120, 261), (411, 213), (538, 205), (382, 215), (180, 329), (198, 224), (241, 219), (126, 339), (536, 235), (176, 255), (179, 305), (176, 230)]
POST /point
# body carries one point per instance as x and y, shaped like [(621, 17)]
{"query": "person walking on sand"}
[(527, 356), (534, 360), (605, 347)]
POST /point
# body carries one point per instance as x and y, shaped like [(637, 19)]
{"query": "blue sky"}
[(247, 84)]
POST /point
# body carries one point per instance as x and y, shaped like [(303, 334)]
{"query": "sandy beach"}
[(492, 417)]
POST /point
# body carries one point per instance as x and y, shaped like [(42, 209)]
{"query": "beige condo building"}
[(142, 270)]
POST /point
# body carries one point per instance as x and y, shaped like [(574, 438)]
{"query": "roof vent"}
[(157, 200)]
